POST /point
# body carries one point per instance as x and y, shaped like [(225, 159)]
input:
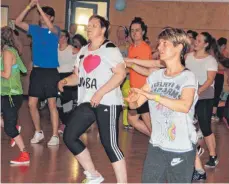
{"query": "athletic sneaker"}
[(92, 178), (61, 129), (213, 162), (226, 121), (199, 175), (38, 137), (12, 142), (214, 118), (54, 141), (22, 159), (200, 150), (199, 134), (43, 104)]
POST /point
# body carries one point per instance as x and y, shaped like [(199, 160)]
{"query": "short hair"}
[(193, 33), (176, 36), (81, 39), (48, 10), (67, 35), (222, 41)]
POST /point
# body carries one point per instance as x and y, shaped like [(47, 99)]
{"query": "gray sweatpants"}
[(162, 166)]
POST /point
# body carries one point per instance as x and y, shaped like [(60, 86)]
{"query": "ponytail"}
[(213, 47)]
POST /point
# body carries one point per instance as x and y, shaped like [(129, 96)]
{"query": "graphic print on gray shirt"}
[(172, 131)]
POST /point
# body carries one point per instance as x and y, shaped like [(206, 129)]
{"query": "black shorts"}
[(43, 83), (143, 109)]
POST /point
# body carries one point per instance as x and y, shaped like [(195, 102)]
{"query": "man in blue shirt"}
[(44, 75)]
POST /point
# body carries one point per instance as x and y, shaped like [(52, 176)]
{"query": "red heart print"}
[(91, 62)]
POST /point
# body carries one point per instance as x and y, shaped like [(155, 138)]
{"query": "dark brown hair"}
[(103, 23), (7, 37)]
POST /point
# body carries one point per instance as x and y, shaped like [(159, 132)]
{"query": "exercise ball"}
[(120, 5)]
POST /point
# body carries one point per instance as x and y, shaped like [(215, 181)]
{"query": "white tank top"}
[(66, 60)]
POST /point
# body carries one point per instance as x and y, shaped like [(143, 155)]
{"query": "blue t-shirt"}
[(45, 47)]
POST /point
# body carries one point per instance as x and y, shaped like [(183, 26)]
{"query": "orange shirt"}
[(142, 51)]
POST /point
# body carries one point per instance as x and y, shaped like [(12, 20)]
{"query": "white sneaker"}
[(54, 141), (92, 178), (200, 134), (38, 136)]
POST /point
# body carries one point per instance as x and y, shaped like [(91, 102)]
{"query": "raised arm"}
[(50, 25), (19, 20)]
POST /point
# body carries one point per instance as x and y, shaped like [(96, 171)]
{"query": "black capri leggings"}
[(219, 80), (204, 112), (10, 113), (106, 117)]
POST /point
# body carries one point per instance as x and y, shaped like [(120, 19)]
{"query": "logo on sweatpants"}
[(176, 161)]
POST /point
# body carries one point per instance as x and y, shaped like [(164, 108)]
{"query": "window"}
[(79, 11)]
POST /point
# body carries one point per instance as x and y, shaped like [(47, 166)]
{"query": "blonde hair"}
[(176, 36)]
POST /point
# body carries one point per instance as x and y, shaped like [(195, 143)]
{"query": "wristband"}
[(65, 81), (157, 98), (28, 7), (132, 66)]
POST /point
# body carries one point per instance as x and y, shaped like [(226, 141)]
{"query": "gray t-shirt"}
[(172, 131)]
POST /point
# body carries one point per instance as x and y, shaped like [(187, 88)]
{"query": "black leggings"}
[(226, 109), (219, 80), (10, 113), (204, 112), (107, 119)]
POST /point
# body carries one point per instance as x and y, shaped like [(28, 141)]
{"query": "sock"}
[(200, 171), (213, 157), (23, 150)]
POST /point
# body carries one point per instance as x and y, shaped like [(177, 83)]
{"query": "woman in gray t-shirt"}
[(171, 93)]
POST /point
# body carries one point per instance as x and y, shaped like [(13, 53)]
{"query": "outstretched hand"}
[(148, 95), (132, 97)]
